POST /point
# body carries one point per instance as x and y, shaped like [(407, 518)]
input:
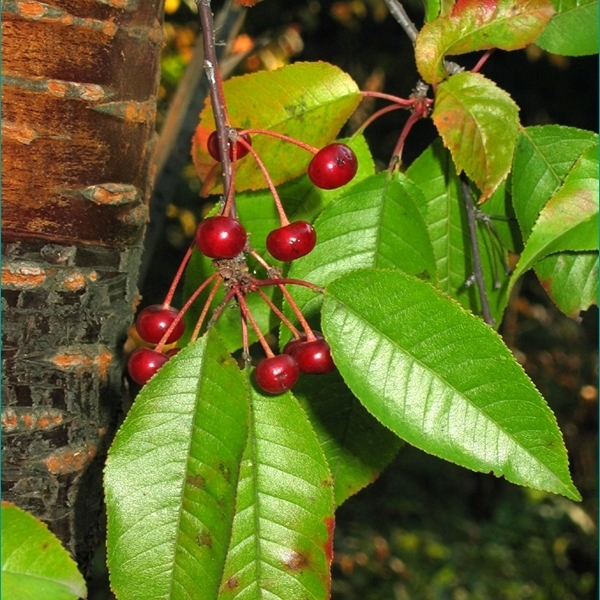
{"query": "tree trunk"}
[(79, 98)]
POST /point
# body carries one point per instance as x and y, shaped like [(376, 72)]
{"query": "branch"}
[(215, 88), (477, 268), (397, 11), (173, 147)]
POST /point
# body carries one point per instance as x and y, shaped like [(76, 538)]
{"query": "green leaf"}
[(444, 212), (307, 101), (570, 279), (34, 562), (573, 31), (281, 543), (356, 445), (171, 477), (376, 223), (543, 157), (474, 25), (569, 221), (441, 379), (478, 122)]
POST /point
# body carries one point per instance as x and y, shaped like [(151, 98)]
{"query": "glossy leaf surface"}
[(34, 562), (171, 477), (569, 221), (573, 31), (441, 379), (570, 279), (543, 157), (445, 215), (282, 532), (307, 101), (474, 25), (479, 124), (356, 445), (377, 223)]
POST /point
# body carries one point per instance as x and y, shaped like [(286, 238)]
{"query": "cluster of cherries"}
[(223, 238)]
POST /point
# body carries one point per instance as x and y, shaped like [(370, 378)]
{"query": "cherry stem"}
[(169, 297), (245, 341), (287, 281), (482, 61), (183, 310), (397, 154), (281, 316), (309, 334), (204, 312), (248, 315), (282, 216), (217, 313), (281, 136), (402, 102), (260, 260), (376, 115)]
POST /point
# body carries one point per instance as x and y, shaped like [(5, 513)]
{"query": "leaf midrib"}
[(451, 387)]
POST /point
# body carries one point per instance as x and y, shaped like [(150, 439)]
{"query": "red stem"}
[(281, 316), (169, 297), (282, 216), (287, 281), (482, 61), (183, 310), (402, 102), (397, 154), (376, 115), (205, 308), (309, 334), (248, 315), (281, 136)]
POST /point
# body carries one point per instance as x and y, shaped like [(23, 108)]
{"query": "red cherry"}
[(314, 357), (292, 241), (143, 363), (153, 322), (333, 166), (212, 145), (220, 237), (277, 374), (291, 346)]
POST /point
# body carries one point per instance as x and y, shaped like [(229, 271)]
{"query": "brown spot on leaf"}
[(295, 562), (195, 481), (232, 583), (225, 472), (204, 539)]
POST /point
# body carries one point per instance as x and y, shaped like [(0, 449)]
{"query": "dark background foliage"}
[(427, 529)]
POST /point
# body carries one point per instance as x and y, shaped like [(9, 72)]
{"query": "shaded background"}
[(427, 529)]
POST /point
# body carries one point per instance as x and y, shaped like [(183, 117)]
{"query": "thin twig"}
[(397, 11), (477, 268), (215, 87), (172, 150)]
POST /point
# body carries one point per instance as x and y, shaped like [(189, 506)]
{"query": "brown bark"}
[(79, 97)]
